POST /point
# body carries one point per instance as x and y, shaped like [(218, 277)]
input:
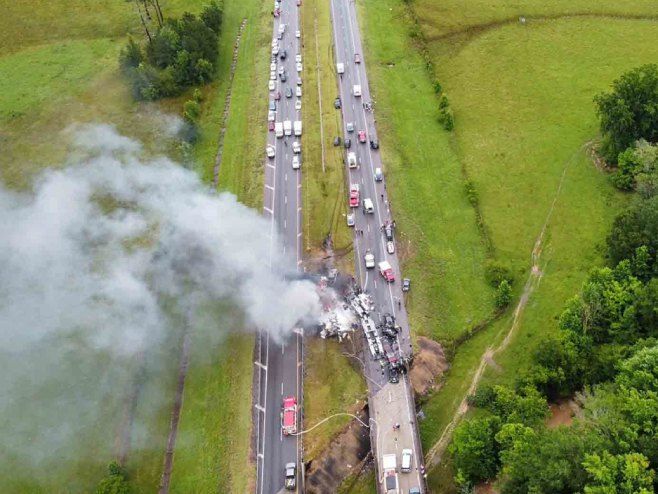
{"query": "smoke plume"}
[(90, 254)]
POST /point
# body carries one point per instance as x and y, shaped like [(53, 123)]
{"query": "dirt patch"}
[(429, 363), (344, 456), (562, 413), (485, 488)]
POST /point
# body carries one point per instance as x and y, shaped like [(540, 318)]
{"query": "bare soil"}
[(485, 488), (562, 413), (429, 364), (345, 455)]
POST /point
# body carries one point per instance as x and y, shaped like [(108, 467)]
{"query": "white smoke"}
[(95, 247)]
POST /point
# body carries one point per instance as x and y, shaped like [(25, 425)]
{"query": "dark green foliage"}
[(436, 85), (526, 407), (474, 450), (131, 56), (115, 482), (191, 111), (212, 15), (634, 228), (503, 294), (446, 117), (630, 111), (496, 271), (637, 169), (182, 53)]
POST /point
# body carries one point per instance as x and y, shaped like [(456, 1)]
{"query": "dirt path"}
[(534, 277), (175, 413)]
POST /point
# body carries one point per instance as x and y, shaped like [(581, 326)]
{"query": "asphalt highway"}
[(279, 365), (390, 404)]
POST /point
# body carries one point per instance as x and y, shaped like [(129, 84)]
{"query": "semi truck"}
[(287, 127), (298, 127), (389, 465)]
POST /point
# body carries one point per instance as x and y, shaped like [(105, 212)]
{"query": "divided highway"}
[(391, 404), (279, 366)]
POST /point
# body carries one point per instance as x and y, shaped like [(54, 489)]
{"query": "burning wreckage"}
[(342, 317)]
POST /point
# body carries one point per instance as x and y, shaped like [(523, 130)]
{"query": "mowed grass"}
[(438, 240), (448, 17), (331, 386), (325, 191)]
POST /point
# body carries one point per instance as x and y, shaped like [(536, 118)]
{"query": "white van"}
[(405, 467), (278, 129), (287, 127), (340, 67), (357, 90), (368, 206), (351, 159)]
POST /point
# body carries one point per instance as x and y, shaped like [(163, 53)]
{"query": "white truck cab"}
[(357, 90)]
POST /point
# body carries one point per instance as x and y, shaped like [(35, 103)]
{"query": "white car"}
[(273, 76), (298, 92), (275, 50), (272, 66), (270, 151), (295, 162), (390, 247), (272, 85), (296, 147), (298, 34), (299, 66), (298, 58), (298, 104), (369, 259), (271, 116), (350, 220)]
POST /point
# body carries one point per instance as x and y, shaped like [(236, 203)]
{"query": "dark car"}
[(347, 143), (337, 104), (277, 95), (272, 106), (393, 375), (337, 141), (283, 54), (406, 284), (284, 77), (270, 125), (389, 333), (289, 92), (388, 231), (374, 143), (388, 320)]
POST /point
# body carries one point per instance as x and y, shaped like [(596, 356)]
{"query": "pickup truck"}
[(291, 476)]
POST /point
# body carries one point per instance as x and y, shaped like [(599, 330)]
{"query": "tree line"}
[(604, 353), (178, 54)]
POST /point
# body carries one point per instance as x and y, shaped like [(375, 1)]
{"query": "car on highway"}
[(288, 92), (271, 116), (284, 54), (393, 375), (275, 50), (406, 284), (272, 106), (270, 125), (386, 271), (271, 85), (291, 476), (357, 58), (350, 219), (273, 76), (354, 195), (298, 104), (277, 95), (337, 103), (298, 92), (282, 28), (347, 143), (362, 136), (388, 231), (340, 68), (379, 176), (351, 160), (298, 58), (296, 162), (299, 66), (299, 80), (337, 141), (414, 490), (368, 206), (374, 144), (284, 77), (289, 415), (350, 126), (298, 34), (407, 455), (270, 152), (388, 320), (390, 247), (369, 259), (296, 147), (299, 3)]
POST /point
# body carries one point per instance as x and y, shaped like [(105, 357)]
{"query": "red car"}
[(357, 58), (270, 125), (362, 136), (354, 195), (289, 415), (277, 95)]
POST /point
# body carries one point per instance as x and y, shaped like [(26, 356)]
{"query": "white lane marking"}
[(286, 177), (269, 187), (282, 389), (285, 224), (260, 455), (271, 165), (264, 367), (268, 210), (260, 408), (299, 234), (285, 199)]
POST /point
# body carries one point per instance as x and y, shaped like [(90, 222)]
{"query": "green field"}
[(57, 68), (522, 97)]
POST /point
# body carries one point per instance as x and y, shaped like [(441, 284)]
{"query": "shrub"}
[(495, 272), (503, 294), (191, 111)]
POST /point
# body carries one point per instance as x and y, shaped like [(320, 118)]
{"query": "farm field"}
[(66, 54), (524, 116)]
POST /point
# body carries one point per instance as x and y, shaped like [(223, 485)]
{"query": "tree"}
[(497, 271), (166, 44), (637, 169), (115, 482), (474, 450), (191, 111), (503, 294), (212, 15), (630, 111), (131, 56), (640, 372), (618, 474), (633, 228)]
